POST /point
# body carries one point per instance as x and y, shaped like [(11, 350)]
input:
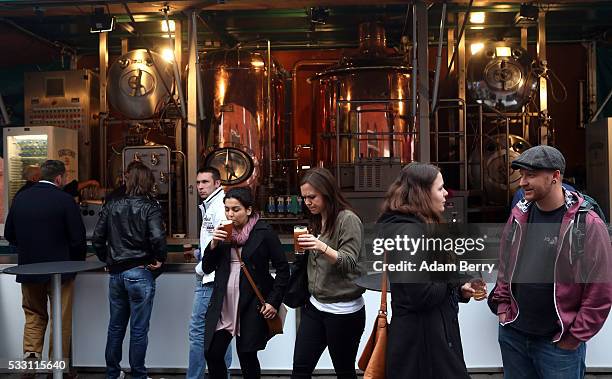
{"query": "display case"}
[(32, 145)]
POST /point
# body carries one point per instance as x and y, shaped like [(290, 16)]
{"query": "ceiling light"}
[(503, 51), (164, 26), (477, 27), (477, 17), (257, 63), (168, 54), (476, 47)]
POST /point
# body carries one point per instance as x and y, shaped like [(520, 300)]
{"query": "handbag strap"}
[(249, 277), (383, 289)]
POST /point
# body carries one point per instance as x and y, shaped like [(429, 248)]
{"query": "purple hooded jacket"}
[(583, 285)]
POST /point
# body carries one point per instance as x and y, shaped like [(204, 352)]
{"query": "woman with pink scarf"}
[(234, 309)]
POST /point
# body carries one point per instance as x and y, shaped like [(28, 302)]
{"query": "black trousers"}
[(318, 330), (215, 358)]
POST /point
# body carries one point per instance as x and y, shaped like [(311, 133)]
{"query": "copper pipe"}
[(296, 67), (269, 112)]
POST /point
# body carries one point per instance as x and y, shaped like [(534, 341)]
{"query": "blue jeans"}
[(197, 362), (527, 357), (130, 294)]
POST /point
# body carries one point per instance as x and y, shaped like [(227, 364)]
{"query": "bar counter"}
[(168, 336)]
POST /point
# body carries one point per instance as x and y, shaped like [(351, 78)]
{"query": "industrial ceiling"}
[(294, 24)]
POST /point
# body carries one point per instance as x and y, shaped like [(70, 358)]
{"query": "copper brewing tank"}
[(238, 130), (374, 110)]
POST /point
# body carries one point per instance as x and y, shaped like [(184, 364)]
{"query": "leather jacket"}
[(130, 233)]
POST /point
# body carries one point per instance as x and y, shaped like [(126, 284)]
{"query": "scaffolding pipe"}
[(414, 66), (465, 20), (177, 75), (438, 60), (199, 89)]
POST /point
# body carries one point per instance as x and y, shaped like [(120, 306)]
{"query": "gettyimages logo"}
[(404, 243), (443, 250)]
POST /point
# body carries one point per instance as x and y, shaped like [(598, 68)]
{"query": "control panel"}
[(156, 158)]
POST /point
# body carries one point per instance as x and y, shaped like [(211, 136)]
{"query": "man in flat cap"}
[(550, 297)]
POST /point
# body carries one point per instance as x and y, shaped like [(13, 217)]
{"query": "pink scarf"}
[(241, 237)]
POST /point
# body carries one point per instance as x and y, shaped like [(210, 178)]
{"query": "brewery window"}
[(54, 87)]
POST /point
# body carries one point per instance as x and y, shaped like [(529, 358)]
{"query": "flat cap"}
[(540, 157)]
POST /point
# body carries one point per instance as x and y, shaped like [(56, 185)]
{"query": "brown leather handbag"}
[(373, 358), (275, 324)]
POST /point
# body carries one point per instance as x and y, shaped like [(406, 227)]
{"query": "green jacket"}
[(333, 282)]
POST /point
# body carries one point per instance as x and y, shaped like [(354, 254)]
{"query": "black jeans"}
[(340, 333), (215, 357)]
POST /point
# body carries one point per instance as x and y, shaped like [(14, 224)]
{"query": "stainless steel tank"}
[(239, 128), (139, 84), (366, 98), (495, 166), (501, 77)]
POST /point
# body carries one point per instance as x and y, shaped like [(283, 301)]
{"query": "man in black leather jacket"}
[(131, 239)]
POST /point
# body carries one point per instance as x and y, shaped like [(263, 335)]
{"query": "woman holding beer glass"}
[(334, 316), (234, 309), (424, 339)]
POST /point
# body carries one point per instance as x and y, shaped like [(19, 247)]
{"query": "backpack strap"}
[(579, 231)]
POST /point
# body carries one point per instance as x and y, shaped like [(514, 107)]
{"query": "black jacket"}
[(424, 340), (45, 225), (130, 233), (261, 248)]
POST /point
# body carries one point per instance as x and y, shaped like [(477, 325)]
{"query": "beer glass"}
[(298, 230), (228, 226)]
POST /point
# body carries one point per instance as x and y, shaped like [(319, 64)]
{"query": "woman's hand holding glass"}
[(309, 242), (219, 235), (476, 288)]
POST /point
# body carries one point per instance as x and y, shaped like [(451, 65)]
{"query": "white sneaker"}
[(122, 375), (31, 355)]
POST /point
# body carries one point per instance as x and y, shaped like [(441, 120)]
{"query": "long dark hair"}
[(139, 180), (323, 181), (411, 192)]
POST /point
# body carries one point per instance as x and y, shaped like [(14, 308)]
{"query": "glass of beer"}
[(187, 252), (480, 287), (228, 226), (298, 230)]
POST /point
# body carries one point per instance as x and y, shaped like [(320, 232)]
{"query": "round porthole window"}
[(234, 165)]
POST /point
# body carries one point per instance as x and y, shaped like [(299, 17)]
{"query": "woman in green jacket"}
[(334, 316)]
